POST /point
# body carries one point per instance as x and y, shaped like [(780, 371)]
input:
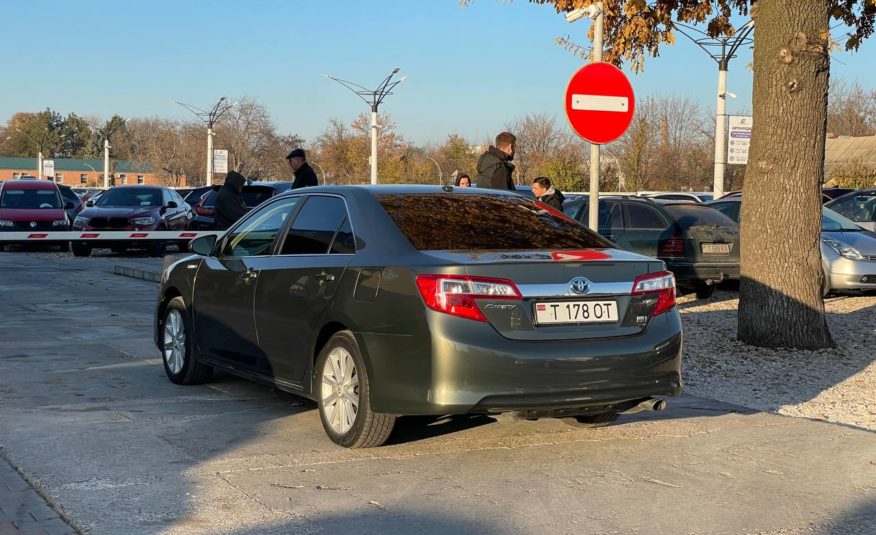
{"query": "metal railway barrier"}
[(113, 235)]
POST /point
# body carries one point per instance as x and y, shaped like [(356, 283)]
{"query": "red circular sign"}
[(599, 103)]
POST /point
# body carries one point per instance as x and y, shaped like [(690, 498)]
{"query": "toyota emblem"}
[(579, 285), (33, 224)]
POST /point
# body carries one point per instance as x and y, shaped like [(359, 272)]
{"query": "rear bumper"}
[(698, 272), (466, 366)]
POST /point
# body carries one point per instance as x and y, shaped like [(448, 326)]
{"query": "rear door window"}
[(314, 229), (693, 215), (641, 217), (471, 221)]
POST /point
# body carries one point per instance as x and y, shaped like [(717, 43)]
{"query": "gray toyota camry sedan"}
[(382, 301)]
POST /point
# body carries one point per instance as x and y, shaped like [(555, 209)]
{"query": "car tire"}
[(343, 393), (705, 291), (590, 421), (177, 347), (80, 249), (825, 286)]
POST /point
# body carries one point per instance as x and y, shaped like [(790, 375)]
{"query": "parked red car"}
[(31, 205)]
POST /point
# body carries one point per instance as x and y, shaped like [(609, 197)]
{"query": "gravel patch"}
[(836, 385)]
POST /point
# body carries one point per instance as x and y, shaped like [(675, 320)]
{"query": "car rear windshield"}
[(454, 222), (130, 197), (30, 199), (697, 215)]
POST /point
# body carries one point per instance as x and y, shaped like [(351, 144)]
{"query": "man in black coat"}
[(304, 174), (495, 167), (547, 194), (229, 204)]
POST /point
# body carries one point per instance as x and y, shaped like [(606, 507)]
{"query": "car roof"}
[(724, 199), (29, 184), (138, 187)]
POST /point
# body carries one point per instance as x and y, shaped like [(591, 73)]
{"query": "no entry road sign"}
[(599, 103)]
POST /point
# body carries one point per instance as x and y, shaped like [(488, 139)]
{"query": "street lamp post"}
[(722, 50), (210, 117), (372, 97), (321, 170), (440, 174), (39, 151)]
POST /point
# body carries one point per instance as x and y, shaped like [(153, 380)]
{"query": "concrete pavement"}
[(88, 416)]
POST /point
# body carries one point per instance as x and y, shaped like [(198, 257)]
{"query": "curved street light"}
[(440, 174), (722, 50), (321, 170), (372, 97), (210, 117), (39, 145)]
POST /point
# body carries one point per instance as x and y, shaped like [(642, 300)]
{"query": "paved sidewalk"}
[(22, 510)]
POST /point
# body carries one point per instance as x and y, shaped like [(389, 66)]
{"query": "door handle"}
[(324, 277), (249, 275)]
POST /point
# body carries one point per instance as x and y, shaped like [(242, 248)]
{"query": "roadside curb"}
[(137, 273)]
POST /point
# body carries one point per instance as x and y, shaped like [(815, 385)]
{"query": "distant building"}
[(843, 151), (82, 172)]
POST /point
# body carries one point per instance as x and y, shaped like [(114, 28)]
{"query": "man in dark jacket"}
[(547, 194), (229, 204), (304, 174), (495, 167)]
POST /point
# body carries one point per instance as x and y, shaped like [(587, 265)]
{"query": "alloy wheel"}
[(340, 390), (174, 341)]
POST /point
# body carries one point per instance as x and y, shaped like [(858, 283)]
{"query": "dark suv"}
[(699, 244), (132, 208), (253, 194)]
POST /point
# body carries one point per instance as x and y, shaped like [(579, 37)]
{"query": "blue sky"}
[(470, 69)]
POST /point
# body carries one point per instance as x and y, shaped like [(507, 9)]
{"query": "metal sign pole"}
[(593, 221)]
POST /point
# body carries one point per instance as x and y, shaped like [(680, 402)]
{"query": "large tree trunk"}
[(780, 299)]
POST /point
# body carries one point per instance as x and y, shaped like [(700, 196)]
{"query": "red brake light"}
[(671, 247), (456, 294), (662, 285), (200, 210)]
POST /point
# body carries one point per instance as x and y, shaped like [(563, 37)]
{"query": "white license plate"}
[(716, 248), (576, 312)]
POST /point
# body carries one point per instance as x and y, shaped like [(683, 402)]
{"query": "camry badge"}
[(579, 285)]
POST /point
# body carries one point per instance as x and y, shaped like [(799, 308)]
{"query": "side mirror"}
[(89, 204), (172, 204), (203, 245), (69, 205)]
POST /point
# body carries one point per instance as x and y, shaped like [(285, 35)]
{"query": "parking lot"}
[(90, 420)]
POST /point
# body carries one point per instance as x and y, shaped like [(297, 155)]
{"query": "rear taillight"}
[(200, 210), (457, 294), (661, 285), (671, 247)]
